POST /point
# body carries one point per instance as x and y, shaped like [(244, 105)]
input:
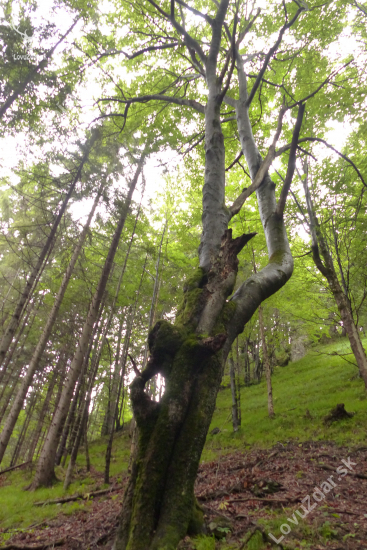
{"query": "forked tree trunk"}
[(159, 507), (327, 269), (45, 470)]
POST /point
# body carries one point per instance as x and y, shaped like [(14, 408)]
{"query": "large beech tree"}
[(207, 49)]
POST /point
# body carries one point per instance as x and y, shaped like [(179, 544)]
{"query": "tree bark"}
[(45, 470), (159, 507), (267, 364), (57, 373), (235, 415), (327, 269)]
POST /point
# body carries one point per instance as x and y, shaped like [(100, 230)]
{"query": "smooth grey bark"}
[(45, 471), (16, 317), (41, 345)]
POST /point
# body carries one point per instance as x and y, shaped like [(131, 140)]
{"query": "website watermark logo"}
[(27, 41), (318, 496)]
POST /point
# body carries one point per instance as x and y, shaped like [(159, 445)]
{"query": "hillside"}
[(259, 475)]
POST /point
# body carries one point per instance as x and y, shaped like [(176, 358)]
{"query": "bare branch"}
[(158, 97), (136, 370), (326, 81), (270, 53), (302, 140), (207, 18), (189, 40), (139, 52), (247, 29), (291, 162)]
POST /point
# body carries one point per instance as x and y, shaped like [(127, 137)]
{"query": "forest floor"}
[(253, 483), (238, 492)]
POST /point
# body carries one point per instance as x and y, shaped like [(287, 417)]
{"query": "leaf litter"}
[(250, 488)]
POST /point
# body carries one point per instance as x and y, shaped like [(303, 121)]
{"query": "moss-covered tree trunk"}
[(159, 507)]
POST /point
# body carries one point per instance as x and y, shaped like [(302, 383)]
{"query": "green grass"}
[(16, 504), (318, 382)]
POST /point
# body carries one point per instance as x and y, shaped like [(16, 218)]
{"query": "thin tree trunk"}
[(155, 292), (121, 370), (232, 374), (328, 270), (57, 372), (14, 346), (267, 364), (45, 471), (15, 372), (15, 320), (86, 445), (68, 429), (110, 418), (22, 435), (83, 416), (33, 365)]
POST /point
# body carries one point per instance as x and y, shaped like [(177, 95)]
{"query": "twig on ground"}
[(86, 496), (42, 546)]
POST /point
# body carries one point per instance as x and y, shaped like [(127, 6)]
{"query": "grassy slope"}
[(316, 382)]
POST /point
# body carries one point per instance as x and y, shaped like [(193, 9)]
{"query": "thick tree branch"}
[(190, 41), (270, 53), (139, 52), (207, 18), (158, 97), (218, 22), (264, 167), (292, 161)]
